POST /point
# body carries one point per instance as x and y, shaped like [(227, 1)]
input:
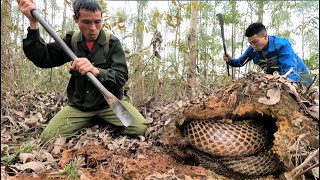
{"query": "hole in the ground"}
[(266, 121)]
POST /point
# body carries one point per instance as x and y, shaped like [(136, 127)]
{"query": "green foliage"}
[(285, 34), (313, 61), (103, 5), (26, 147), (280, 15), (12, 157), (9, 158), (71, 170), (173, 20), (24, 75), (156, 19), (232, 15)]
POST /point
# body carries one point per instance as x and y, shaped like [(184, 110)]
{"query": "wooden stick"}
[(293, 174)]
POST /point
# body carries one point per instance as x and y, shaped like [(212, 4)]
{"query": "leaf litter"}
[(100, 153)]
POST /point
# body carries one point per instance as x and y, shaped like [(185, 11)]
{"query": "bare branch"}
[(295, 172)]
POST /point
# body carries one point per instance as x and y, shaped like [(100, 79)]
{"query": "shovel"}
[(119, 109)]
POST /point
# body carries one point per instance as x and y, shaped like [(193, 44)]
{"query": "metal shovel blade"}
[(120, 110)]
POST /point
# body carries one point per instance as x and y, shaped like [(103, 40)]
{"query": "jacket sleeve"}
[(287, 60), (117, 74), (243, 59), (43, 55)]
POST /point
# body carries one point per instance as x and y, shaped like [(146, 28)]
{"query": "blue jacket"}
[(279, 57)]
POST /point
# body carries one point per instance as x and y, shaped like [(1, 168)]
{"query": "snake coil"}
[(240, 146)]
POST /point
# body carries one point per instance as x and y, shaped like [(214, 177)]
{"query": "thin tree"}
[(140, 25), (260, 10), (5, 38), (193, 43), (63, 25)]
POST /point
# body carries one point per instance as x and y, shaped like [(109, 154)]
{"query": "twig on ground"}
[(296, 171)]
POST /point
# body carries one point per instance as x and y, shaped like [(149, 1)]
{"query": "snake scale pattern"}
[(239, 147)]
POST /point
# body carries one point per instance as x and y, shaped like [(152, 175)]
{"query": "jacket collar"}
[(271, 47), (101, 40), (271, 43)]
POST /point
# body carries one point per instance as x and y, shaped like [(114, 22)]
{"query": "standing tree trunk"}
[(233, 47), (244, 29), (45, 17), (260, 13), (53, 12), (213, 67), (234, 22), (64, 17), (260, 10), (193, 49), (177, 40), (205, 66), (302, 36), (249, 65), (16, 37), (5, 40), (140, 24), (243, 37)]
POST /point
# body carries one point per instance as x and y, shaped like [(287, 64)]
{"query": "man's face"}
[(90, 24), (258, 42)]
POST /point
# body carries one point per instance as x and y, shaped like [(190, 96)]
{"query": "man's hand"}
[(227, 57), (25, 6), (83, 65)]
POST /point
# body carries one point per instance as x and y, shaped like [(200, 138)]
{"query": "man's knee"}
[(137, 130), (141, 129), (45, 135), (49, 133)]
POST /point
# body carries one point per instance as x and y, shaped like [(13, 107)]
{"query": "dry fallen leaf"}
[(49, 157), (273, 97), (58, 144), (290, 88), (269, 76), (26, 157), (84, 177), (35, 118), (37, 167), (314, 111), (315, 172), (19, 113)]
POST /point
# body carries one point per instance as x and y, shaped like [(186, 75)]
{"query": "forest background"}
[(187, 62)]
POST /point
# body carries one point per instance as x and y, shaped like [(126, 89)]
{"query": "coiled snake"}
[(240, 147)]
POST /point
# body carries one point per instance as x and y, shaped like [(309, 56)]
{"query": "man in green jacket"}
[(85, 100)]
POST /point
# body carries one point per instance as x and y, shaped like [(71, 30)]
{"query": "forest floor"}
[(95, 152)]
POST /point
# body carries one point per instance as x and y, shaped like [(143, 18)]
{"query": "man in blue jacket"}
[(271, 53)]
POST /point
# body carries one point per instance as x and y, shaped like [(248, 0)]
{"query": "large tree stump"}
[(275, 100)]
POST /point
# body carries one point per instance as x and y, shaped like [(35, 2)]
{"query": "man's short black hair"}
[(91, 5), (255, 28)]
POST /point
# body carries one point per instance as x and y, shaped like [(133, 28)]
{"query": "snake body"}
[(240, 147)]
